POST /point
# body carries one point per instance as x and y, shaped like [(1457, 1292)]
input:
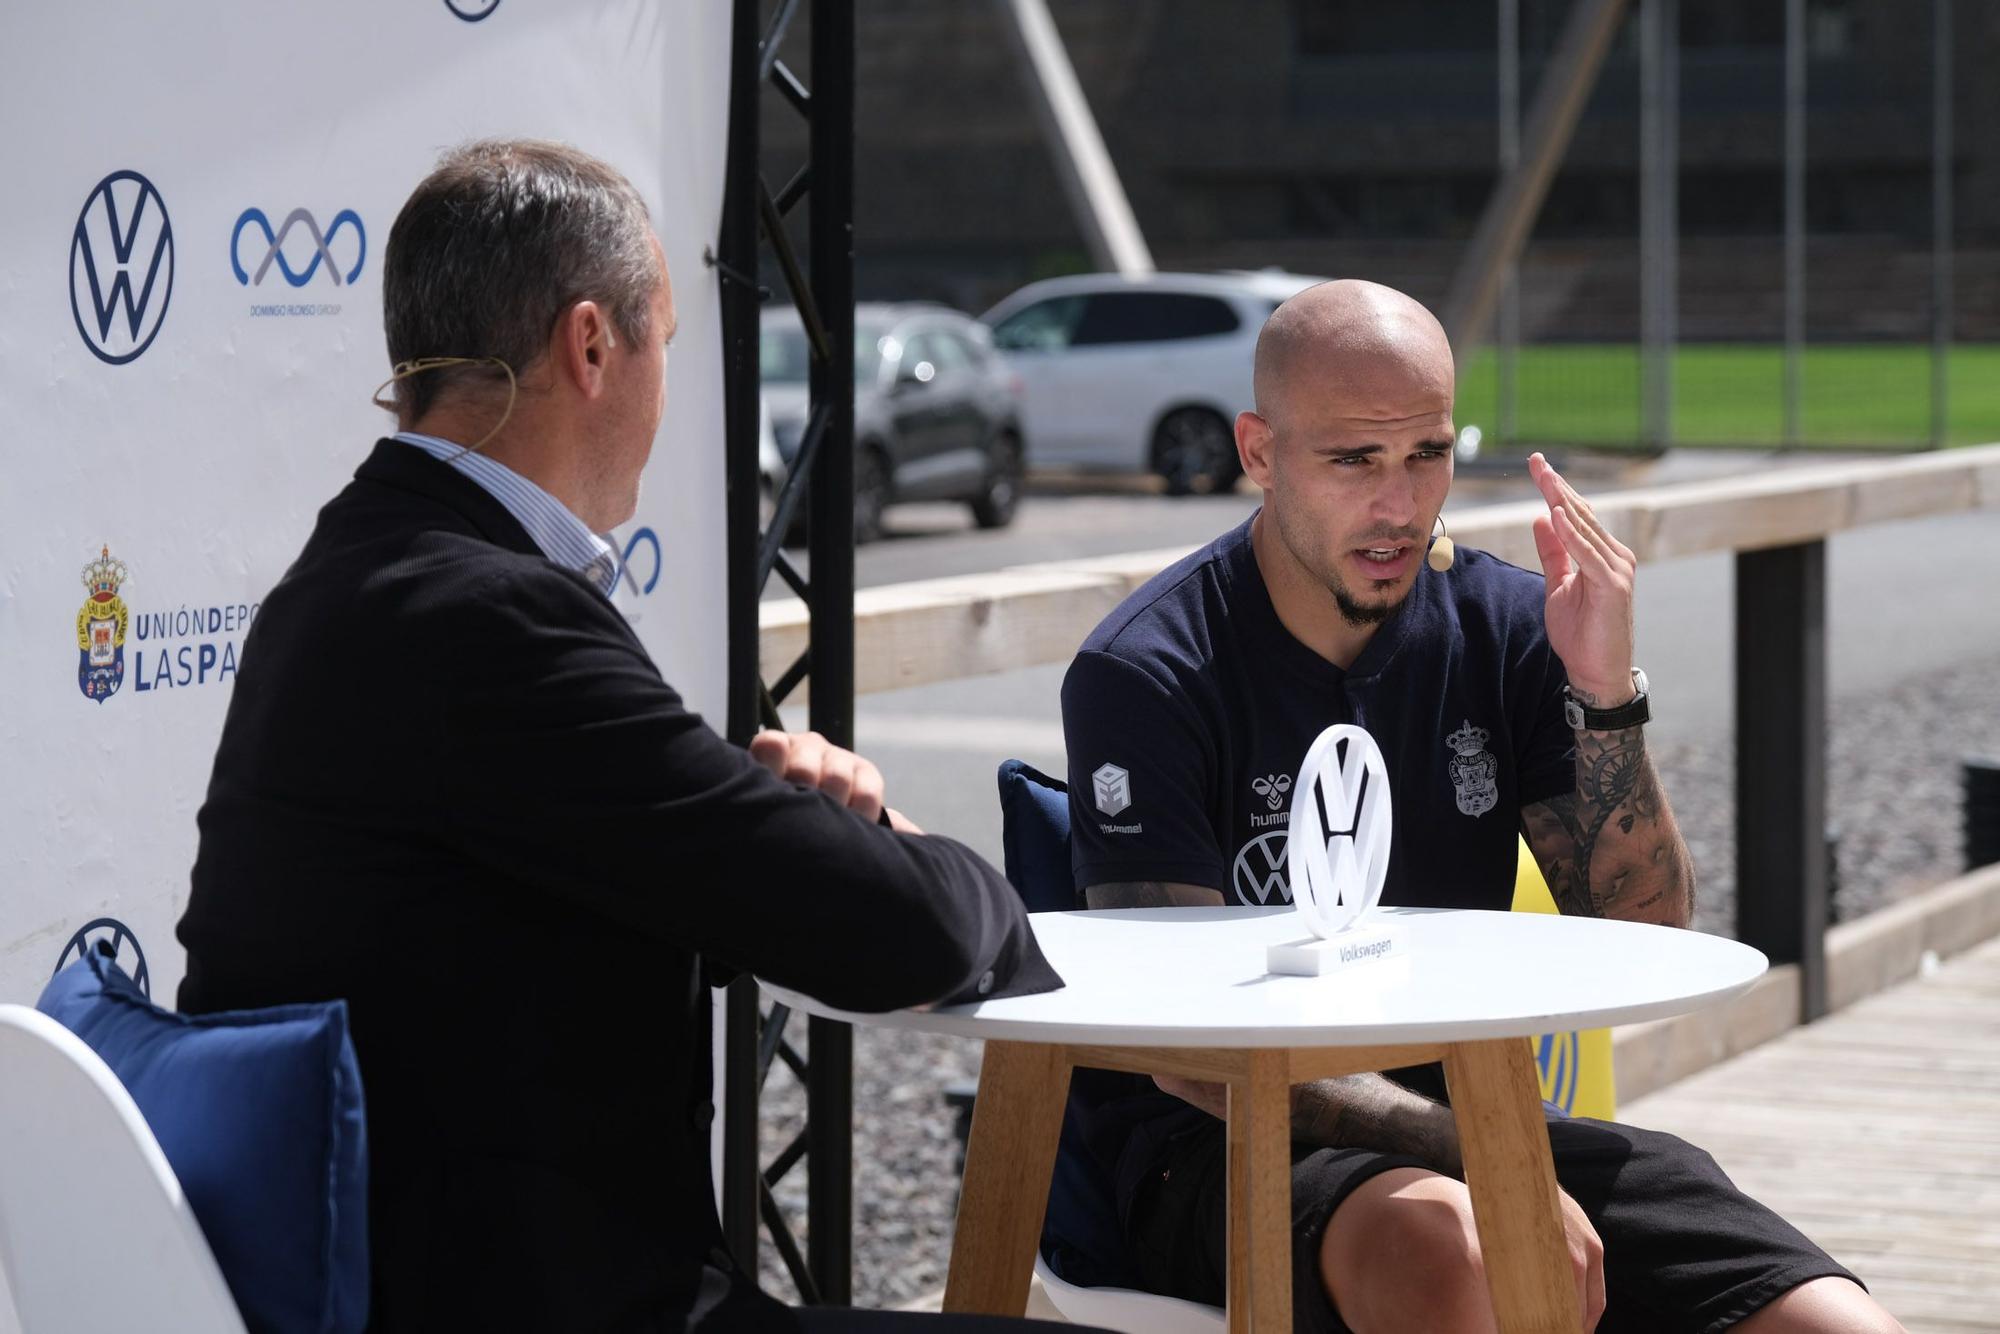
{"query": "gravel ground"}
[(1894, 791)]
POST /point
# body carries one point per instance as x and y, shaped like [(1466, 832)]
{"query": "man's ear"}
[(581, 343), (1254, 443)]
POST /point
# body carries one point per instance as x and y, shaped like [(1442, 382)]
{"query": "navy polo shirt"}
[(1187, 712), (1188, 709)]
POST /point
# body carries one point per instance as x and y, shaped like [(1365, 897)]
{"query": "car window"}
[(1152, 317), (784, 356), (920, 351), (948, 351), (1045, 326), (867, 353), (968, 352)]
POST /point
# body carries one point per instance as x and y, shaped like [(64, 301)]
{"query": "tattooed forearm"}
[(1352, 1112), (1371, 1112), (1151, 894), (1612, 848)]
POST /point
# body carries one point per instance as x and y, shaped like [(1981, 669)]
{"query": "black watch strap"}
[(1633, 713)]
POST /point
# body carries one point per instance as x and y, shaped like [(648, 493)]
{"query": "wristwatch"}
[(1632, 713)]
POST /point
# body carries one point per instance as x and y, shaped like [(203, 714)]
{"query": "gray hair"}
[(495, 244)]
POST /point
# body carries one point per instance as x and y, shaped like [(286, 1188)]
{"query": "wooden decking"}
[(1876, 1132)]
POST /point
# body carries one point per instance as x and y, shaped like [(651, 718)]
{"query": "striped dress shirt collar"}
[(562, 537)]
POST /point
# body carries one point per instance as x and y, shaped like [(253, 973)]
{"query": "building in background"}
[(1351, 137)]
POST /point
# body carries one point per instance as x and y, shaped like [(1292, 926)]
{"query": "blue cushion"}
[(259, 1112), (1081, 1237), (1034, 837)]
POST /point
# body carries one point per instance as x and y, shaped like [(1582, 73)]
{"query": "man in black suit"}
[(453, 789)]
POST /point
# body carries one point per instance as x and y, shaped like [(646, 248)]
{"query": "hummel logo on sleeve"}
[(1113, 787)]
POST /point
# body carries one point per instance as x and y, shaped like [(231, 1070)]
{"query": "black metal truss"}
[(821, 480)]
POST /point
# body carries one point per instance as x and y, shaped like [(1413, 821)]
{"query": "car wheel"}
[(871, 493), (1194, 448), (998, 498)]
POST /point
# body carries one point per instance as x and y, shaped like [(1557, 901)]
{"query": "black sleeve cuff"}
[(1020, 970)]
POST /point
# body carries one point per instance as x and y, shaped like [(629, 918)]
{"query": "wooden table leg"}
[(1009, 1157), (1260, 1198), (1497, 1100)]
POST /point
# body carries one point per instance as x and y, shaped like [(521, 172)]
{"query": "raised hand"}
[(1589, 608)]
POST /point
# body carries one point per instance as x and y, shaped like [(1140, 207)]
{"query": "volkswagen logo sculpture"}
[(1338, 855)]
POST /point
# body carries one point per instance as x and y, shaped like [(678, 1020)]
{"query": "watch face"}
[(1639, 680)]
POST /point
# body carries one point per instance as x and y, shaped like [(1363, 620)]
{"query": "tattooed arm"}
[(1611, 848), (1351, 1112)]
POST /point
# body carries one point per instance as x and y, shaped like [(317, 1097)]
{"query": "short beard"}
[(1358, 615)]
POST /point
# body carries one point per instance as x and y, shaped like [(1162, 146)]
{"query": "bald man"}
[(1504, 701)]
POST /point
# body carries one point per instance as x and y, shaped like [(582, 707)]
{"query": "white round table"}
[(1194, 977), (1184, 991)]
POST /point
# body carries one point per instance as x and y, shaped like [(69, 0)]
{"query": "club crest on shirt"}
[(1475, 774)]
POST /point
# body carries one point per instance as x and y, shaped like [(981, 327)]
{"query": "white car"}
[(1146, 374)]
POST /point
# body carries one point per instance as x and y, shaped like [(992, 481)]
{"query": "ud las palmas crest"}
[(1475, 774), (100, 629)]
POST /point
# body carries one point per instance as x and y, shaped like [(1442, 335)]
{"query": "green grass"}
[(1855, 395)]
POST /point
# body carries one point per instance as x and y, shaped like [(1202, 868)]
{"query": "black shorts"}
[(1684, 1250)]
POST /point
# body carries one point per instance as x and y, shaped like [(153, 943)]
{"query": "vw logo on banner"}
[(274, 247), (121, 267), (472, 10)]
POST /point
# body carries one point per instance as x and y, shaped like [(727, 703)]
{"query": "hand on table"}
[(811, 761), (1589, 608)]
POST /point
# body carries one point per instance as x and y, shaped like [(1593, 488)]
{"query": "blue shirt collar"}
[(563, 538)]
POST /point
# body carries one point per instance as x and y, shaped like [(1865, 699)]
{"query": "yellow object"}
[(1576, 1067)]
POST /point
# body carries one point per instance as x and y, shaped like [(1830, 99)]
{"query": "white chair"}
[(95, 1234), (1126, 1310)]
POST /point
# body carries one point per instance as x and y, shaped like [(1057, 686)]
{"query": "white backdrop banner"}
[(196, 201)]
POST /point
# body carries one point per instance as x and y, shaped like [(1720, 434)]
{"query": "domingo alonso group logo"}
[(274, 252), (100, 629), (256, 248), (121, 267)]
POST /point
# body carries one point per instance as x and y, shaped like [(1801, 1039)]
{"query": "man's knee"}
[(1822, 1306), (1401, 1253)]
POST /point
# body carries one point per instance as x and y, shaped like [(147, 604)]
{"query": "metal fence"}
[(1678, 290)]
